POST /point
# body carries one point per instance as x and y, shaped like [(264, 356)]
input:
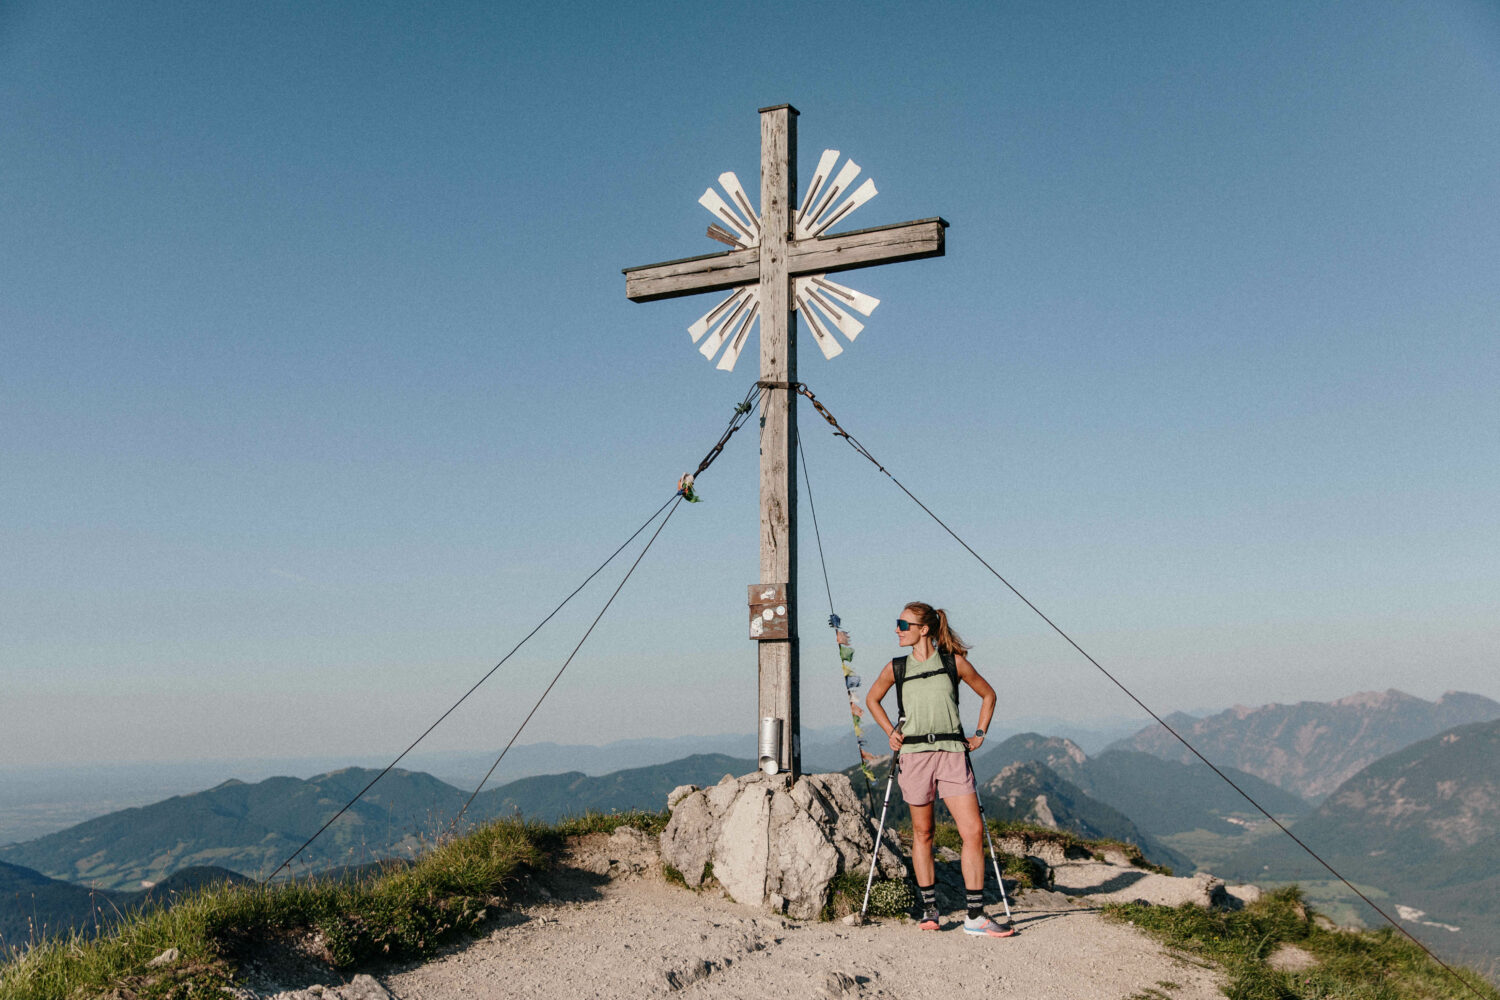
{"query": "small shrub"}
[(891, 897)]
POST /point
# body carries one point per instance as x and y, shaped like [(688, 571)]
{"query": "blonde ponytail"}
[(936, 620)]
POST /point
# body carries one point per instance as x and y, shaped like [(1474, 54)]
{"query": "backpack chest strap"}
[(950, 668)]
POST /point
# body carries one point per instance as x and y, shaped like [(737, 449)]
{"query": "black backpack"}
[(949, 667)]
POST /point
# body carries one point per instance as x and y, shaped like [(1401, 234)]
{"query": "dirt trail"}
[(638, 936)]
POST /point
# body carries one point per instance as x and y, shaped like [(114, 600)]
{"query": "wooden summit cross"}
[(779, 265)]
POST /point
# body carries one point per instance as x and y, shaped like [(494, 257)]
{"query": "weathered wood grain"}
[(868, 247), (826, 255), (692, 275), (778, 685)]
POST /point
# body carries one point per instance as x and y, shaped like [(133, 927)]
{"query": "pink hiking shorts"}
[(934, 773)]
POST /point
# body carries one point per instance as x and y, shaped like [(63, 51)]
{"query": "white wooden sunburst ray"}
[(743, 222), (820, 207), (825, 304), (728, 322)]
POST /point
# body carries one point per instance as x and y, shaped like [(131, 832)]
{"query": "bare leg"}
[(921, 844), (965, 810)]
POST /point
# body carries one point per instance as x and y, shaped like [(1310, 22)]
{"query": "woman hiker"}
[(933, 761)]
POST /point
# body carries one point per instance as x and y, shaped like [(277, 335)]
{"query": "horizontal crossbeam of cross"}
[(824, 255)]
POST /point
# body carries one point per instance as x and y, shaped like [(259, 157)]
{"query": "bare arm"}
[(970, 676), (883, 683)]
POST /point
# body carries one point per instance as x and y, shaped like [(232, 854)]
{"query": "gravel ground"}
[(645, 938), (612, 929)]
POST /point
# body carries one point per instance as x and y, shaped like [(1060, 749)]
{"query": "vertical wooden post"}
[(779, 688)]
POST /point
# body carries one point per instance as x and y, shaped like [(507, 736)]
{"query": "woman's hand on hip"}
[(974, 743)]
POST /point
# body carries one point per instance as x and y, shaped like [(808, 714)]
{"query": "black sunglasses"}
[(903, 625)]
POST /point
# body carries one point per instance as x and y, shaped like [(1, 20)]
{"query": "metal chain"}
[(741, 414)]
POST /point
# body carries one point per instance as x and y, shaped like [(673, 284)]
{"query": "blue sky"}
[(318, 385)]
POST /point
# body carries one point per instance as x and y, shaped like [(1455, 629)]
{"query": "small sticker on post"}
[(770, 612)]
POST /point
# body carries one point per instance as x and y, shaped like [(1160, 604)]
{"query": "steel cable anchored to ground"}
[(737, 420), (864, 452)]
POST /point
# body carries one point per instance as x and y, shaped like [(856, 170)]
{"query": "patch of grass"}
[(946, 835), (405, 911), (1028, 873), (650, 823), (1357, 965)]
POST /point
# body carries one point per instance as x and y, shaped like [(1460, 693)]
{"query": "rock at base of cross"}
[(774, 843)]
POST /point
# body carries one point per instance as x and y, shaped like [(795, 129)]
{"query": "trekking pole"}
[(890, 779), (994, 858)]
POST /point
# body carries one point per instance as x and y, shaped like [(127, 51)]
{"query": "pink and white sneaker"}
[(983, 926)]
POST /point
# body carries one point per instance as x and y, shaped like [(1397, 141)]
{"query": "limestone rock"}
[(363, 987), (687, 843), (1246, 894), (775, 844), (1290, 958), (1049, 851), (840, 984), (1101, 881), (1210, 891), (679, 793)]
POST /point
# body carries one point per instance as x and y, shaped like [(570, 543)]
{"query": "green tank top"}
[(931, 705)]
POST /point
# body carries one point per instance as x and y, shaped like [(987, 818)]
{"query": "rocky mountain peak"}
[(1311, 748), (1375, 699)]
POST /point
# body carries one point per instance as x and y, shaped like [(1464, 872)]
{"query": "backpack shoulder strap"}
[(950, 664), (898, 670)]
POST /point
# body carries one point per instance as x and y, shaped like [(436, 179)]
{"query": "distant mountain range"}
[(1311, 748), (1162, 797), (1031, 792), (1416, 818), (251, 828), (1019, 781), (1422, 824), (36, 800)]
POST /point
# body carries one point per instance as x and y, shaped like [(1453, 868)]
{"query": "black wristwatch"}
[(979, 733)]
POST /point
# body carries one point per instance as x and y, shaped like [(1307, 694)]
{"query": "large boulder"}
[(774, 843)]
